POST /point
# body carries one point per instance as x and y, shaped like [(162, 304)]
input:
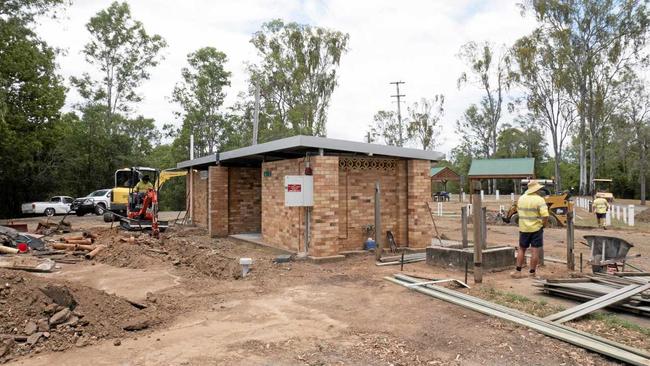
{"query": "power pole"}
[(399, 111)]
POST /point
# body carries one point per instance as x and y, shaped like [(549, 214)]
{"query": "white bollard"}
[(630, 216), (608, 218), (501, 208), (462, 197), (497, 193), (512, 197), (482, 196), (625, 216), (469, 209), (439, 208), (617, 212)]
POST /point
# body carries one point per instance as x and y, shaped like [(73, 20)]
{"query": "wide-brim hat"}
[(533, 186)]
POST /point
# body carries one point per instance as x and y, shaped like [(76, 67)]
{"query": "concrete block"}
[(326, 259), (496, 258)]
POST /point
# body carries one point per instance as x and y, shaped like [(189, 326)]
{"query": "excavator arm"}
[(168, 174)]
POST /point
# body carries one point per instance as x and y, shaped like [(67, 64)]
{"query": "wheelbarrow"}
[(607, 253)]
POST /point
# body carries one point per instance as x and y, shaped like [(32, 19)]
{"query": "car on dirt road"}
[(57, 205), (96, 202)]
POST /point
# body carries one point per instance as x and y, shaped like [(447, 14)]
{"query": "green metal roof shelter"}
[(518, 168), (514, 168), (443, 174)]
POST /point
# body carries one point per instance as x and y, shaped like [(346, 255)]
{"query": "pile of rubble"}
[(38, 315)]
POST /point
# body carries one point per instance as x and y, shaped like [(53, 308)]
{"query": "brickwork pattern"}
[(199, 200), (357, 203), (420, 228), (325, 213), (218, 199), (282, 226), (244, 200)]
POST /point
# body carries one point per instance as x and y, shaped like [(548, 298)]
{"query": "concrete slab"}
[(256, 238)]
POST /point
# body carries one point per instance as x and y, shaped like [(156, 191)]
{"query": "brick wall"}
[(420, 228), (282, 226), (200, 198), (357, 200), (244, 200), (325, 213), (218, 201)]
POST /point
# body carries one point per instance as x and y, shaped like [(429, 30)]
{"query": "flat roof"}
[(298, 146), (502, 168)]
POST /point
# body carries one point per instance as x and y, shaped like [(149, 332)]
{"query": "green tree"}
[(425, 116), (475, 131), (490, 71), (543, 75), (31, 96), (600, 39), (524, 140), (123, 53), (386, 127), (636, 116), (24, 11), (201, 95), (296, 75)]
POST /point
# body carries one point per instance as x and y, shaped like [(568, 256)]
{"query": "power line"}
[(399, 110)]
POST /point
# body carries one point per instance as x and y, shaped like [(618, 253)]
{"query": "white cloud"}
[(412, 41)]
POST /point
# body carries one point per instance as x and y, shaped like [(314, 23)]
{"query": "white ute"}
[(57, 205)]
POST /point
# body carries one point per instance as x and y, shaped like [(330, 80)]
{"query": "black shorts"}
[(601, 215), (535, 240)]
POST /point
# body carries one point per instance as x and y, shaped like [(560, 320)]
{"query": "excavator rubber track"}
[(141, 225)]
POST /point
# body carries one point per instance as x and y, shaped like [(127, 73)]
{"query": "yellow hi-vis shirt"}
[(142, 187), (531, 209), (600, 205)]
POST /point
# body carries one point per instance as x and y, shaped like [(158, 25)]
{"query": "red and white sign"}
[(294, 188)]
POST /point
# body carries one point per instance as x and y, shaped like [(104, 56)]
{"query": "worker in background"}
[(601, 206), (143, 185), (533, 217), (140, 190)]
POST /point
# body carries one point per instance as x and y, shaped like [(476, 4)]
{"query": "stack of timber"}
[(621, 352), (601, 285)]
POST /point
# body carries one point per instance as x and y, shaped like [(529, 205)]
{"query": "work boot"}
[(516, 274), (533, 275)]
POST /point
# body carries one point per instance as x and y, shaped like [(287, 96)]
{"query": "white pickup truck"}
[(57, 205)]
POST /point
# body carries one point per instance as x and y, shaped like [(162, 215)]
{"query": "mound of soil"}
[(186, 248), (643, 216), (40, 315)]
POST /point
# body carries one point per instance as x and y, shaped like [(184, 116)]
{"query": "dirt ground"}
[(199, 310)]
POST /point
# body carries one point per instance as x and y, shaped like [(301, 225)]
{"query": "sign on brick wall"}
[(298, 190)]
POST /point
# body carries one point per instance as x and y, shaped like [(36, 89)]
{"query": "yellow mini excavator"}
[(558, 206), (138, 212)]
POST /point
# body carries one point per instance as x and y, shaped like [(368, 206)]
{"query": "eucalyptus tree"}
[(543, 74), (123, 53), (489, 70), (600, 40), (201, 94), (297, 74), (424, 121)]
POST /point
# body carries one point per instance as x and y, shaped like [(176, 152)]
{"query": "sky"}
[(413, 41)]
